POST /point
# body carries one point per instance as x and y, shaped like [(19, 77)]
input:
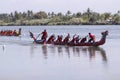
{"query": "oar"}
[(38, 36)]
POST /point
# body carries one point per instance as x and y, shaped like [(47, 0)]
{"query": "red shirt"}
[(45, 34), (92, 36)]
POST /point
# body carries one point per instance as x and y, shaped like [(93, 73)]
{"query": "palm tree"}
[(68, 13), (88, 12)]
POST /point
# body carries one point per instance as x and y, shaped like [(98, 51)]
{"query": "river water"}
[(21, 59)]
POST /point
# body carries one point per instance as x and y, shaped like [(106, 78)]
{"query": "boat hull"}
[(71, 44)]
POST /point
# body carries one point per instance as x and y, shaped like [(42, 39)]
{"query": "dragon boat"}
[(10, 32), (96, 43)]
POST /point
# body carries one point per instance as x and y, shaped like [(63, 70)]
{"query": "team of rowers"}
[(10, 32), (75, 39)]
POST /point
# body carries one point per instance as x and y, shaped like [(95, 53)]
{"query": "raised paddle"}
[(38, 36)]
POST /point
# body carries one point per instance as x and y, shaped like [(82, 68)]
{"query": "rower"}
[(44, 35), (77, 39), (66, 40), (14, 32), (51, 39), (59, 39), (91, 38), (83, 39), (73, 41)]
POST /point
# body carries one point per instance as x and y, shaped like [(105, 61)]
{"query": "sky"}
[(101, 6)]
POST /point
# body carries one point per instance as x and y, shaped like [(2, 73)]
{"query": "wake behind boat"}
[(51, 40)]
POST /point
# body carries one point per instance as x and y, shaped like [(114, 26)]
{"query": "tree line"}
[(88, 17)]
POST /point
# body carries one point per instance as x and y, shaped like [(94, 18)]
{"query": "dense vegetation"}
[(51, 18)]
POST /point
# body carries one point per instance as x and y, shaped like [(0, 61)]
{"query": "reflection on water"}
[(93, 52), (44, 51), (90, 52)]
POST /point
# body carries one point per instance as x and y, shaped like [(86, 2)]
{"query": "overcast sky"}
[(101, 6)]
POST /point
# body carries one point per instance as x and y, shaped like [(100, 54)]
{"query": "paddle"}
[(38, 36)]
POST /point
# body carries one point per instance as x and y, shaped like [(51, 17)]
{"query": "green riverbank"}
[(89, 17)]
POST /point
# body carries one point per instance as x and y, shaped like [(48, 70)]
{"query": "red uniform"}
[(66, 40), (92, 37), (51, 39), (44, 35)]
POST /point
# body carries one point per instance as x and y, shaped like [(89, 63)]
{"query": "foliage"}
[(52, 18)]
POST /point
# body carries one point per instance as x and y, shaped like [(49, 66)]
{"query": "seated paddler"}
[(66, 40)]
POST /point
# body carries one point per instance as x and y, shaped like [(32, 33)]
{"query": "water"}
[(20, 59)]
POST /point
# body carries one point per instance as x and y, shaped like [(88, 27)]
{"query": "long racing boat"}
[(10, 32), (96, 43)]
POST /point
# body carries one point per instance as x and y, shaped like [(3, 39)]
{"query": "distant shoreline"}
[(60, 24), (30, 18)]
